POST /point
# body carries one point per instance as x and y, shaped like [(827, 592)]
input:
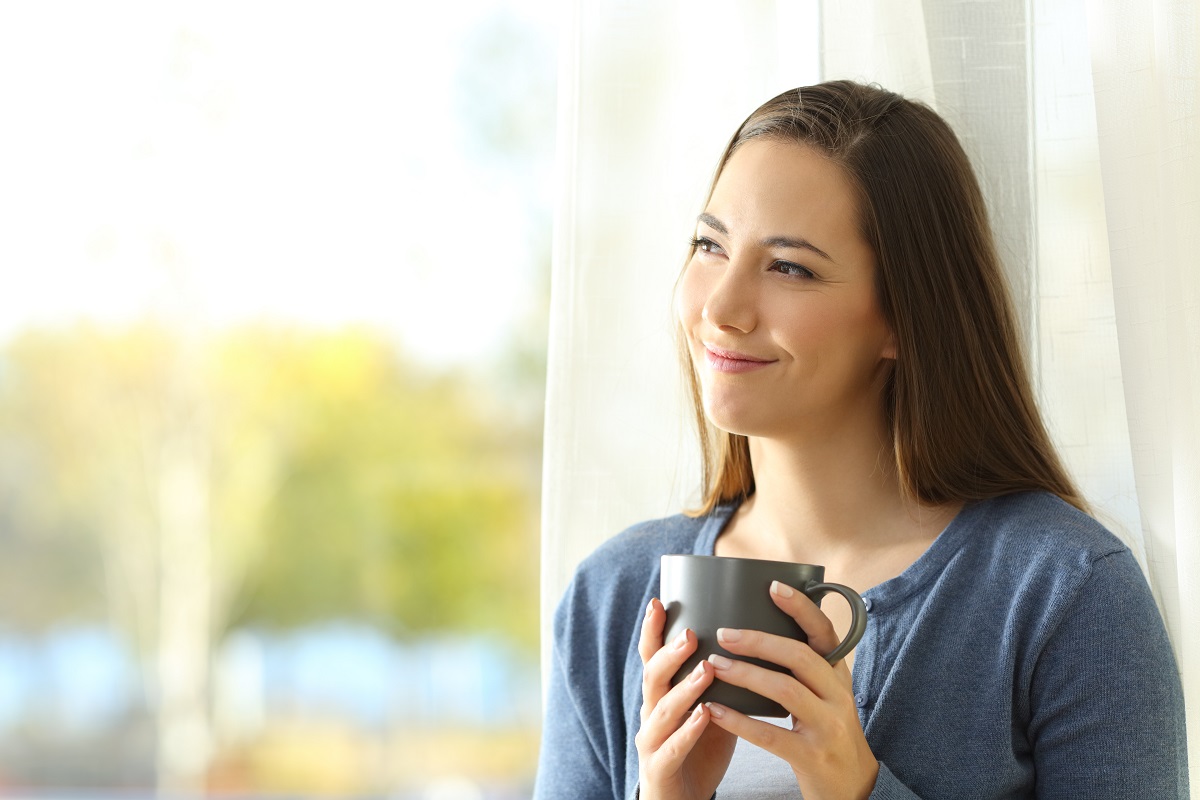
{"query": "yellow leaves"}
[(339, 479)]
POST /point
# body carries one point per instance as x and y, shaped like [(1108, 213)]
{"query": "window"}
[(271, 363)]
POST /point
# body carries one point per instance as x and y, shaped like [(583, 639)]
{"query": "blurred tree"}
[(340, 481), (400, 496), (181, 486), (75, 406), (115, 441)]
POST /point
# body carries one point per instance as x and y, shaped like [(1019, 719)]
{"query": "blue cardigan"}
[(1022, 656)]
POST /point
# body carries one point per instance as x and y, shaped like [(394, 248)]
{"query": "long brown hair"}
[(959, 404)]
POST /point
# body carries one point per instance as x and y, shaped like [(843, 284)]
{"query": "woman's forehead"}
[(771, 189)]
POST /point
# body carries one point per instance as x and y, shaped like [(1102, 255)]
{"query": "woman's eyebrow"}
[(774, 241)]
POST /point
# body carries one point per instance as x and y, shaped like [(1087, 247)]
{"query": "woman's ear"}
[(889, 346)]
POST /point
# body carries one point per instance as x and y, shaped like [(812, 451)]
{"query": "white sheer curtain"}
[(649, 93), (1082, 119)]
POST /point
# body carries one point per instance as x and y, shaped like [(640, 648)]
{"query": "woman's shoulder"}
[(632, 556), (1038, 538), (1042, 523), (1025, 567), (612, 583), (652, 538)]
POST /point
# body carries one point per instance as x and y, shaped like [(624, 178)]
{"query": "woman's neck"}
[(833, 500)]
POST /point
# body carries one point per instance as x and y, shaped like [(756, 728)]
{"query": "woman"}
[(864, 404)]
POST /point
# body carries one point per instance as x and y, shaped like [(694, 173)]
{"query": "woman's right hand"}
[(680, 755)]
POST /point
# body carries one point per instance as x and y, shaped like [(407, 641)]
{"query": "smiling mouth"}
[(730, 361)]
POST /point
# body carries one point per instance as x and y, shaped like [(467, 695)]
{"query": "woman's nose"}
[(731, 302)]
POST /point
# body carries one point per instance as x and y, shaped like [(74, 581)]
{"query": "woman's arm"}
[(568, 764), (889, 787), (1106, 704), (571, 762)]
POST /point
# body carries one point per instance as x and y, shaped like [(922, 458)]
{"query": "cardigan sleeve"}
[(1105, 696), (889, 787), (571, 761)]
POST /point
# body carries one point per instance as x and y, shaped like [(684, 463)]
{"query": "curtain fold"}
[(1081, 119), (1144, 66)]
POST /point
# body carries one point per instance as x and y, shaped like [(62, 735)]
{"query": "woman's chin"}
[(733, 420)]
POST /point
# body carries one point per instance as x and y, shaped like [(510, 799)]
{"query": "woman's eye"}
[(706, 245), (791, 269)]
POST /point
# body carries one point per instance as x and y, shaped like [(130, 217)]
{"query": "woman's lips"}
[(731, 361)]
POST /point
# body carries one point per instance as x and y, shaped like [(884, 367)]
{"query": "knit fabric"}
[(1022, 656)]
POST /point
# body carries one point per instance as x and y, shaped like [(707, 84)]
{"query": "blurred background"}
[(272, 358)]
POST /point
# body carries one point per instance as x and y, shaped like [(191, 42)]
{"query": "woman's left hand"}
[(825, 747)]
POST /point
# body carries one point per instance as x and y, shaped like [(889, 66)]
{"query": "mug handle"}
[(858, 623)]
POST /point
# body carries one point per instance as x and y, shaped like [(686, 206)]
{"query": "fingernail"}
[(698, 672), (720, 662), (781, 589), (650, 608), (717, 711), (728, 635), (681, 639), (698, 712)]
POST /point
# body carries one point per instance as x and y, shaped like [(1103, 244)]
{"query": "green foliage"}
[(342, 482)]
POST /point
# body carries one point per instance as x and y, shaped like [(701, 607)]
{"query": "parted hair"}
[(958, 401)]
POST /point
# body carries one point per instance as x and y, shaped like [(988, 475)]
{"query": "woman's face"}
[(778, 303)]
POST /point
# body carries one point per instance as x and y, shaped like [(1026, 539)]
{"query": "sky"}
[(314, 163)]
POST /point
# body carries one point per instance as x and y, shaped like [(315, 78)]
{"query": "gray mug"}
[(709, 592)]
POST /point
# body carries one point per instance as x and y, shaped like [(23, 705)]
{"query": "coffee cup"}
[(709, 592)]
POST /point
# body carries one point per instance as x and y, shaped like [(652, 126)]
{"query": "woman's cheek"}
[(691, 297)]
